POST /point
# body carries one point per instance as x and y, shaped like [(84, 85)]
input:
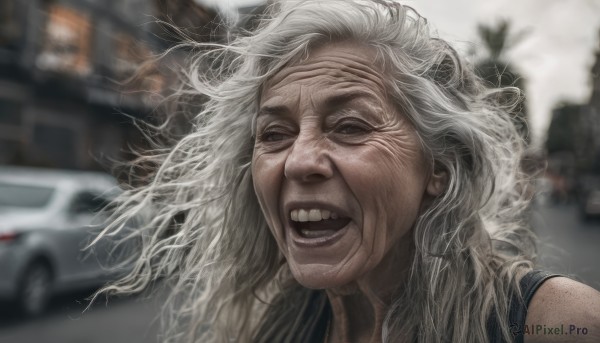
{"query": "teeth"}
[(312, 215), (302, 216)]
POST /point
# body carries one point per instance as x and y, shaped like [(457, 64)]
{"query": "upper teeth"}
[(312, 215)]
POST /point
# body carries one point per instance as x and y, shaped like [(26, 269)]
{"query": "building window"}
[(67, 44), (9, 25)]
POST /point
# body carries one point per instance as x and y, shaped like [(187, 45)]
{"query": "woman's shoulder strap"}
[(517, 313)]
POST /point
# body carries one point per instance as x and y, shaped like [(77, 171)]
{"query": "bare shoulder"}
[(563, 310)]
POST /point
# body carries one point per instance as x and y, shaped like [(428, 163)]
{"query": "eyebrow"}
[(334, 101), (338, 100), (273, 110)]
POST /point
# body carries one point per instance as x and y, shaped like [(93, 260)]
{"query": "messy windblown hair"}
[(207, 236)]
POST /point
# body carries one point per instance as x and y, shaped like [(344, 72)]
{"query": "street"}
[(129, 320), (567, 246)]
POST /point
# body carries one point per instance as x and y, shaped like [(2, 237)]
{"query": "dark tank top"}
[(517, 312)]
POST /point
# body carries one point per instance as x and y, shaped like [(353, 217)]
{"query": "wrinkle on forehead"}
[(327, 66), (348, 61)]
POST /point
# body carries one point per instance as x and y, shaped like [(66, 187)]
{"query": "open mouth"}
[(316, 223)]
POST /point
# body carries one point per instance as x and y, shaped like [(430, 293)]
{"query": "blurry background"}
[(63, 99)]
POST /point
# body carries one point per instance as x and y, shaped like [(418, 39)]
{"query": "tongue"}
[(321, 228), (316, 233)]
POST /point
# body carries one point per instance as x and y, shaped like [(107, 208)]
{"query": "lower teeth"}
[(316, 233)]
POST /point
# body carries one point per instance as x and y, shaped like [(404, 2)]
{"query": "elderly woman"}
[(348, 180)]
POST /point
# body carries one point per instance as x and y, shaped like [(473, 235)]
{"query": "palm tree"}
[(497, 72)]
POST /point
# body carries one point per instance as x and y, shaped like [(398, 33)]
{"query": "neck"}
[(360, 308), (357, 317)]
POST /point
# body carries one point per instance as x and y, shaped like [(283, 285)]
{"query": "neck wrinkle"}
[(359, 309), (355, 318)]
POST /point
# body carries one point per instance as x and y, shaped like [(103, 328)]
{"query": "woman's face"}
[(338, 171)]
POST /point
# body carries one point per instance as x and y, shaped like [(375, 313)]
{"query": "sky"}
[(555, 56)]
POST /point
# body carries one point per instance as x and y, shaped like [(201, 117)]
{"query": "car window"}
[(27, 196), (87, 203)]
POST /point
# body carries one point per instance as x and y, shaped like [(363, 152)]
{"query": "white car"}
[(47, 218)]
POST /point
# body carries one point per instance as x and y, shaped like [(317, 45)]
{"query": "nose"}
[(308, 160)]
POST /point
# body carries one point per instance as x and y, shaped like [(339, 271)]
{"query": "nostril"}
[(314, 178), (306, 177), (307, 164)]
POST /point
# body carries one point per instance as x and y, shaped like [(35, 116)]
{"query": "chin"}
[(319, 276)]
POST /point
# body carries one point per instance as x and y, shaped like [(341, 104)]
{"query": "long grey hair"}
[(207, 237)]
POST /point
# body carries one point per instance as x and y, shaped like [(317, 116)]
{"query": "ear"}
[(438, 181)]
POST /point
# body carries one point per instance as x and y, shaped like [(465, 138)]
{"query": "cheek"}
[(387, 178), (397, 151), (386, 173), (266, 177)]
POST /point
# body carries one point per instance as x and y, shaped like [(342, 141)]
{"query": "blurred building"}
[(63, 64), (589, 132), (575, 128), (573, 144), (594, 103)]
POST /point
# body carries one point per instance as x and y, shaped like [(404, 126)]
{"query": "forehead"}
[(335, 67)]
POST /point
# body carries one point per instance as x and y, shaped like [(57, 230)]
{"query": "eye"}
[(351, 128), (272, 135)]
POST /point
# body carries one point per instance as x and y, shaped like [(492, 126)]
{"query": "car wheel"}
[(35, 289)]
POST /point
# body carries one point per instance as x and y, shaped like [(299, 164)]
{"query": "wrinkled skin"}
[(327, 133)]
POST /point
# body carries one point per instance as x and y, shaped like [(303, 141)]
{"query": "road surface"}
[(130, 320), (567, 244)]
